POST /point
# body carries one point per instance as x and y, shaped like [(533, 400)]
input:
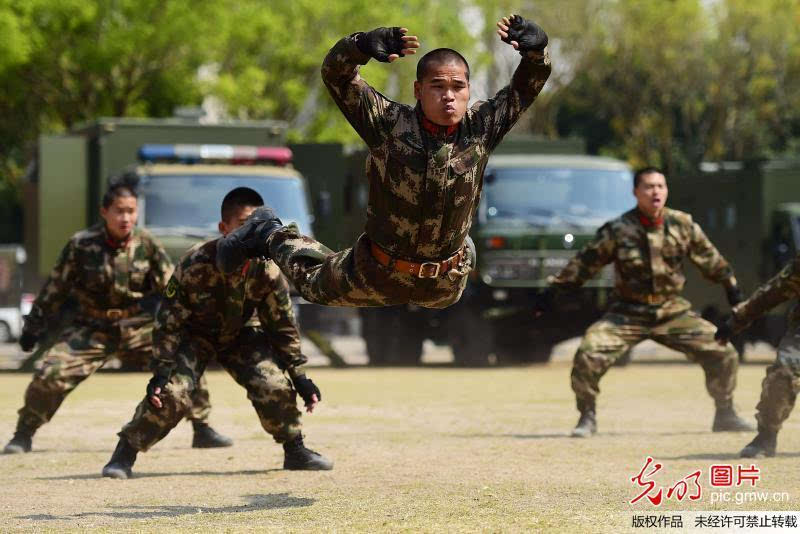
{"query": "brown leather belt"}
[(112, 314), (427, 269)]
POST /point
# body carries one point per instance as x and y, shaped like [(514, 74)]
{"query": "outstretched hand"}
[(524, 35), (388, 44)]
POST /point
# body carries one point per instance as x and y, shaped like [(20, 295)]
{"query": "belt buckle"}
[(425, 265), (114, 314)]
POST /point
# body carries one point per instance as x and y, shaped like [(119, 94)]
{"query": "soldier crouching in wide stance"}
[(647, 246), (204, 316), (425, 170), (115, 272), (782, 384)]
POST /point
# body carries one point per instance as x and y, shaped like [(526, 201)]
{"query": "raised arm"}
[(364, 108), (502, 111)]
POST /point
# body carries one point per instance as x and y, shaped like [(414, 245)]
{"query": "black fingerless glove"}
[(27, 341), (306, 388), (380, 43), (159, 380), (527, 34)]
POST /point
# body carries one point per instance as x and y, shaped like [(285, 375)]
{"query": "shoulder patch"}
[(171, 289)]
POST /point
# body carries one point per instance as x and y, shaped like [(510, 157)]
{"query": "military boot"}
[(21, 442), (206, 437), (121, 462), (726, 420), (298, 457), (587, 425), (763, 445), (247, 241)]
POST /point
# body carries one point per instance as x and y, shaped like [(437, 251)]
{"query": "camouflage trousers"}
[(780, 387), (611, 336), (353, 277), (253, 368), (80, 351)]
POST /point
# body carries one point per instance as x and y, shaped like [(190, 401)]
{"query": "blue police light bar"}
[(229, 153)]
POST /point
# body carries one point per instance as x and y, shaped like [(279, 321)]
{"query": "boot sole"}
[(13, 449), (210, 446), (309, 468), (114, 472)]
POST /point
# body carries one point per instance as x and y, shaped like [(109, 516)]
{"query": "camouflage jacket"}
[(99, 275), (782, 287), (200, 301), (424, 187), (648, 261)]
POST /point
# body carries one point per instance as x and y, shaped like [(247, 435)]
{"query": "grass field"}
[(430, 449)]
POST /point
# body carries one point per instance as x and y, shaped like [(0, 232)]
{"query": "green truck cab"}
[(535, 212)]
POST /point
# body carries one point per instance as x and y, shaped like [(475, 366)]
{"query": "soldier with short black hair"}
[(782, 383), (206, 315), (114, 272), (425, 169), (647, 246)]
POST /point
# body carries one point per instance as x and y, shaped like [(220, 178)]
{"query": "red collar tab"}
[(111, 242), (647, 222), (245, 268), (436, 129)]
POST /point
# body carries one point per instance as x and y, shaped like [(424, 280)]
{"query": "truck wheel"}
[(471, 336)]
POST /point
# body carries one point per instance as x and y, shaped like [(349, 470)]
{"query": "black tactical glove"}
[(159, 380), (306, 388), (724, 331), (27, 341), (381, 42), (247, 241), (544, 302), (734, 295), (527, 34)]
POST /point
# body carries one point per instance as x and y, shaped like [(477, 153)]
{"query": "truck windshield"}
[(553, 196), (193, 201)]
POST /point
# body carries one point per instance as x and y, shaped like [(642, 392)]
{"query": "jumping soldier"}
[(647, 246), (115, 272), (205, 316), (425, 169), (782, 383)]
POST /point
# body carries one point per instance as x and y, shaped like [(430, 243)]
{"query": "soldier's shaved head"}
[(439, 56), (236, 199)]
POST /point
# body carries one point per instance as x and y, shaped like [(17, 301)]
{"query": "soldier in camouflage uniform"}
[(647, 246), (782, 383), (115, 273), (205, 316), (425, 170)]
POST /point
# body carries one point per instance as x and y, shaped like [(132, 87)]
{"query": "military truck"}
[(535, 212)]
